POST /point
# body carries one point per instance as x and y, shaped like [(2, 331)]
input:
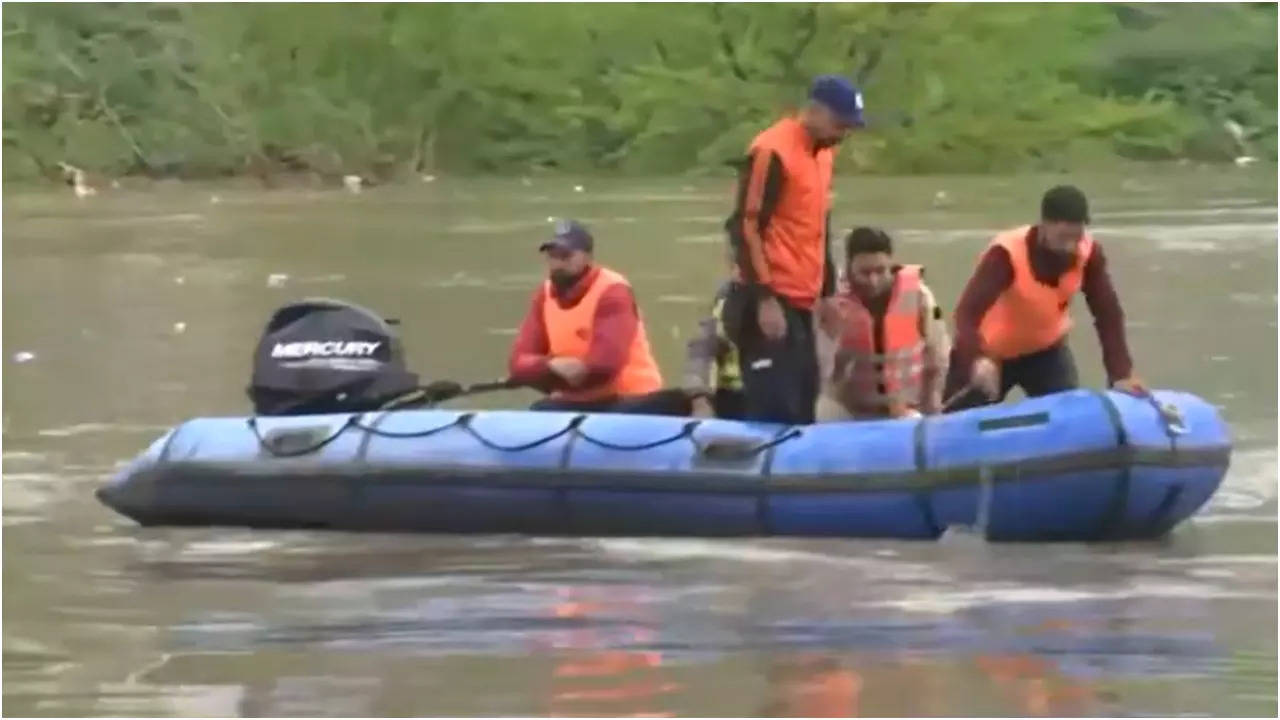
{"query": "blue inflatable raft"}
[(1080, 465)]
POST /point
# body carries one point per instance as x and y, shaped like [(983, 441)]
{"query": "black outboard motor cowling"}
[(321, 355)]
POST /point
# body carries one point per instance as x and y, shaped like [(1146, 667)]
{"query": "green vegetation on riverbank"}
[(390, 90)]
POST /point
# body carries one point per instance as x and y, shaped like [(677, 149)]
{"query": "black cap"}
[(569, 235), (1064, 203)]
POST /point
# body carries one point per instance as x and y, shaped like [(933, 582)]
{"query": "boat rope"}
[(372, 430), (685, 432), (788, 435), (276, 446), (466, 425)]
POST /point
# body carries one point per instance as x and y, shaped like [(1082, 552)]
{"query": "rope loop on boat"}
[(791, 434), (413, 433), (278, 448), (685, 432), (464, 422)]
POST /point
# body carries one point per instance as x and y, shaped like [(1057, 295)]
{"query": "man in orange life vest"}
[(1012, 319), (780, 230), (583, 341), (890, 349)]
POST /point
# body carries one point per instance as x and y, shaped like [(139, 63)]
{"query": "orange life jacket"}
[(871, 378), (569, 332), (1030, 316), (794, 240)]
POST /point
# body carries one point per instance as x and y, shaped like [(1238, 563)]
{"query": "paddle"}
[(442, 390), (962, 392)]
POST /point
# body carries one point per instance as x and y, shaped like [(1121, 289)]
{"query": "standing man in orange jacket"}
[(1012, 318), (780, 231)]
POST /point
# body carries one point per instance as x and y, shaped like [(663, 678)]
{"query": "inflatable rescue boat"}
[(1079, 465)]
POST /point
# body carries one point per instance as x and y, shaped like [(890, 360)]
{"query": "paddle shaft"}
[(956, 397), (484, 387)]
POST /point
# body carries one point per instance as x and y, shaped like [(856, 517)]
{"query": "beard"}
[(562, 280)]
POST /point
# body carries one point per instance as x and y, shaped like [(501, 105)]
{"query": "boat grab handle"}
[(1013, 421), (297, 441), (728, 448), (1170, 416)]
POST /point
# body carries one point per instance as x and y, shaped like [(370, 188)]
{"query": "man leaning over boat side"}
[(1012, 319), (889, 353), (583, 341)]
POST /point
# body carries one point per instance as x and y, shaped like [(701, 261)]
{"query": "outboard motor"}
[(321, 355)]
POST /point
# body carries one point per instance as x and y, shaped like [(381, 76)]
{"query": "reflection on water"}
[(591, 679), (104, 618)]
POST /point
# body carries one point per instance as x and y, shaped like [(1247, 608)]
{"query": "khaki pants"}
[(829, 410)]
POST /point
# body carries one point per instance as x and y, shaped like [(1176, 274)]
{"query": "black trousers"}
[(729, 404), (1040, 373), (779, 377)]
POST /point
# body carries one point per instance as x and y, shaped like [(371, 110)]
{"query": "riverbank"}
[(398, 91), (93, 185)]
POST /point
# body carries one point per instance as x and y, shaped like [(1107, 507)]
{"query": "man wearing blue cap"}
[(780, 233), (583, 341)]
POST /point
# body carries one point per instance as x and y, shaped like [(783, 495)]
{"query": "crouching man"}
[(888, 355)]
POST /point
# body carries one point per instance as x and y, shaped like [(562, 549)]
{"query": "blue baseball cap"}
[(840, 96), (569, 235)]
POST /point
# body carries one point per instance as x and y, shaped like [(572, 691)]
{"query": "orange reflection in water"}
[(817, 685), (590, 681), (825, 685), (1035, 686)]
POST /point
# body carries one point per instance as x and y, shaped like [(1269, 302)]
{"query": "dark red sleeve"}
[(1108, 316), (614, 328), (992, 277), (528, 362)]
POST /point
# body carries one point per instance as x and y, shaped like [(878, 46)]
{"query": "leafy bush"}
[(390, 90)]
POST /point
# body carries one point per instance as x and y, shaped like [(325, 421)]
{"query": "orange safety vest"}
[(569, 332), (795, 237), (871, 378), (1030, 316)]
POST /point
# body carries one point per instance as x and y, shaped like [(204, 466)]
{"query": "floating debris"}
[(578, 188), (941, 199), (179, 327), (179, 280), (526, 182), (214, 199), (24, 356), (1235, 130), (1245, 160), (353, 183), (79, 180), (428, 178), (276, 279)]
